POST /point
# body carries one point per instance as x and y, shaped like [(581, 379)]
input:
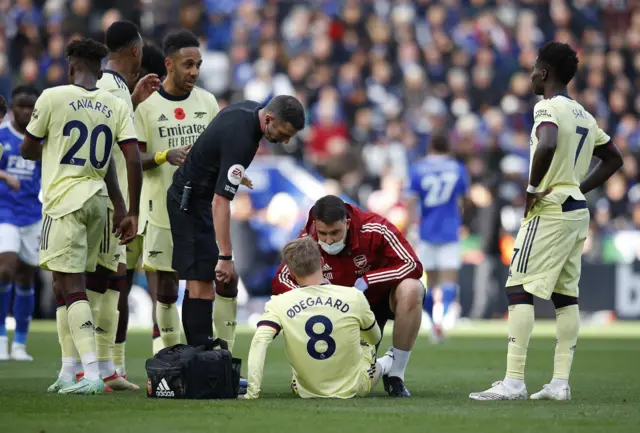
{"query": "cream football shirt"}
[(166, 122), (578, 136), (79, 128), (322, 326)]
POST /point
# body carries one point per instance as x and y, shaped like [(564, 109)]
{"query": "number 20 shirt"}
[(79, 127)]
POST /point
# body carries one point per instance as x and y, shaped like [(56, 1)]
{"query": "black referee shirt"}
[(218, 159)]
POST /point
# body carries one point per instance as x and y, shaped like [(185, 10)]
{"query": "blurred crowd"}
[(379, 78)]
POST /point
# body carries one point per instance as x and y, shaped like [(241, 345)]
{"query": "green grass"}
[(605, 384)]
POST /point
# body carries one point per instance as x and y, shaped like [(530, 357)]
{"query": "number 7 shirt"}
[(323, 328), (78, 128), (578, 136)]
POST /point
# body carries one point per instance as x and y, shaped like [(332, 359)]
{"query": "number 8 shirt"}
[(329, 334)]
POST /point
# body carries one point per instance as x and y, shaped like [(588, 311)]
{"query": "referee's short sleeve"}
[(235, 161)]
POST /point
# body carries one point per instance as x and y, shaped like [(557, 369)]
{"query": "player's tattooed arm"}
[(31, 149), (610, 161), (543, 156)]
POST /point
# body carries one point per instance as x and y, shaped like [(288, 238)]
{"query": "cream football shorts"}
[(71, 243), (134, 252), (111, 253), (548, 251), (157, 249), (365, 375), (367, 370)]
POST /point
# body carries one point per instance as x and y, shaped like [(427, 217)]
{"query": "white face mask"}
[(332, 249)]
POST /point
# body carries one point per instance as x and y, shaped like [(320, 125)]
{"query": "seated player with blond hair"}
[(330, 332)]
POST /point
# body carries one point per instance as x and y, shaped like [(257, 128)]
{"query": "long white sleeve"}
[(257, 355)]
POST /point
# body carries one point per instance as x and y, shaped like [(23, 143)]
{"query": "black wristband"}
[(225, 257)]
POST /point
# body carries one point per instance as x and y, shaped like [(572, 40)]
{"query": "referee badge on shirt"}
[(235, 174)]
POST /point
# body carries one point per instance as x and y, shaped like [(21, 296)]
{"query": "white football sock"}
[(91, 367), (559, 383), (107, 368), (514, 384), (400, 361), (68, 370), (384, 364)]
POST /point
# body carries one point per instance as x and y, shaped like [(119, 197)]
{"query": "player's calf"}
[(567, 328), (23, 305), (197, 314), (8, 265), (520, 327), (123, 324), (96, 285), (107, 322), (225, 310), (81, 321), (166, 309), (156, 337), (406, 304)]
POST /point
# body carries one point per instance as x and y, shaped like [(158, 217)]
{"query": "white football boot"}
[(551, 393), (500, 391), (19, 352)]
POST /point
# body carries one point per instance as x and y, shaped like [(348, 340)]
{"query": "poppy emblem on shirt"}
[(360, 261), (179, 113)]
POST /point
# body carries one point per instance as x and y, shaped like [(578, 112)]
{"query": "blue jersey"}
[(439, 182), (20, 208)]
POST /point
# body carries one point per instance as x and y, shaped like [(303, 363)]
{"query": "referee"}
[(198, 203)]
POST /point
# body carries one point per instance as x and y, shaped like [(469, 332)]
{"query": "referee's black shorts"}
[(195, 251)]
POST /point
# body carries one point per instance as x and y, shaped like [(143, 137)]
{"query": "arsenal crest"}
[(360, 261)]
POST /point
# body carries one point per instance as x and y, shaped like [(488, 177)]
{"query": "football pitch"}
[(605, 385)]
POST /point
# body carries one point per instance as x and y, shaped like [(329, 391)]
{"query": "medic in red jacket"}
[(364, 250)]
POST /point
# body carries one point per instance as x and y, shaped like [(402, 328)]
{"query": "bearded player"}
[(168, 123), (548, 249), (363, 250)]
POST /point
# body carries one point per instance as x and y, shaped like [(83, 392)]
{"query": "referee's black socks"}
[(197, 321), (186, 313)]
